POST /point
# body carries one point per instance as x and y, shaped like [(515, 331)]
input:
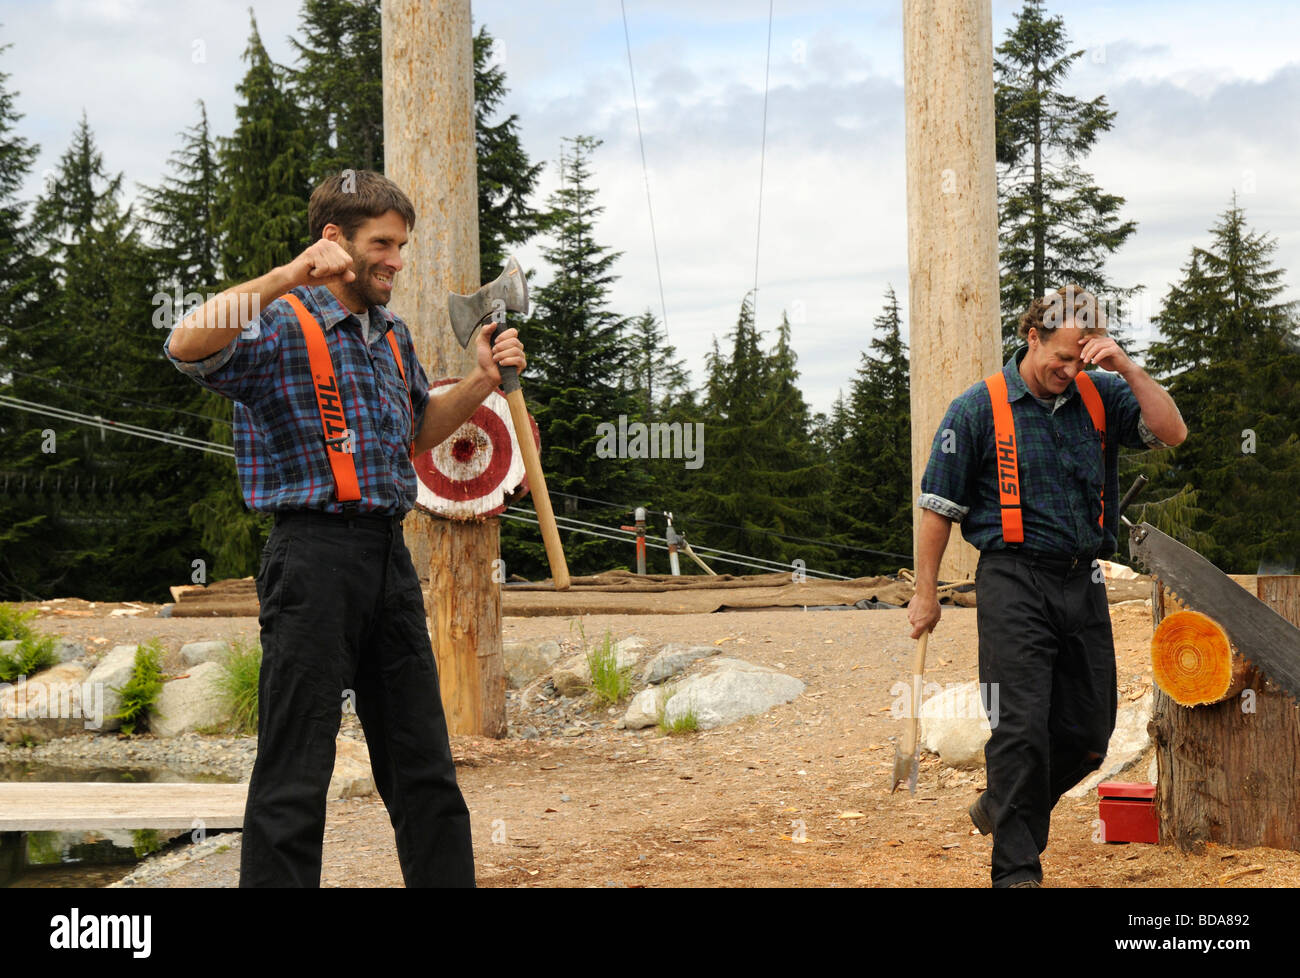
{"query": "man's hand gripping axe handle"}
[(510, 292)]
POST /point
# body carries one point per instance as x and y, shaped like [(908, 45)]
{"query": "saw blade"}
[(1260, 634)]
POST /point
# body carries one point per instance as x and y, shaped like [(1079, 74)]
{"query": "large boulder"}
[(525, 661), (673, 659), (953, 725), (113, 672), (732, 690), (57, 702), (352, 776), (189, 703), (195, 652)]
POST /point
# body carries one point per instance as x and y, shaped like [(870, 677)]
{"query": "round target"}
[(478, 469)]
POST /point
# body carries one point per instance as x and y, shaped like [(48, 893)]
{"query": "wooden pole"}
[(429, 151), (1230, 773), (954, 319)]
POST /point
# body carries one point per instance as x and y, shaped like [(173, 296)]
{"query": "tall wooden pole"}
[(952, 221), (429, 152)]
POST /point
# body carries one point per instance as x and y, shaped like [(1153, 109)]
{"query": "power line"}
[(731, 526), (153, 434), (762, 156), (645, 171), (113, 394)]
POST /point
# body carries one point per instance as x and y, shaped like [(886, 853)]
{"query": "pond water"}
[(86, 858)]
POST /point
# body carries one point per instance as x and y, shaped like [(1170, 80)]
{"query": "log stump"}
[(1229, 772)]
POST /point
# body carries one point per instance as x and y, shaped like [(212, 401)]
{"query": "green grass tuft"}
[(238, 685), (610, 683), (688, 722)]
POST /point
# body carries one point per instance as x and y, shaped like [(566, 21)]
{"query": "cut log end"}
[(1194, 662)]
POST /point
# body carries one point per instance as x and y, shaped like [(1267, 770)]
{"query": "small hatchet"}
[(509, 292), (905, 753)]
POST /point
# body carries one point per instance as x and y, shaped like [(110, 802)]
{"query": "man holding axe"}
[(331, 405), (1026, 461)]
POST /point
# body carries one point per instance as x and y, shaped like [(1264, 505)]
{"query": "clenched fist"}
[(324, 263)]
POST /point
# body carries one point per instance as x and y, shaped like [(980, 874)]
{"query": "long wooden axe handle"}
[(533, 466)]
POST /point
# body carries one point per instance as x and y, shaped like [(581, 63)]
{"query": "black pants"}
[(1045, 641), (343, 618)]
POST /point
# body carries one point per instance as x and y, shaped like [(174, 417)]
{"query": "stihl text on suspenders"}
[(338, 438), (1008, 466)]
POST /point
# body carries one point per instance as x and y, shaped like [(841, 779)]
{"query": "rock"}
[(571, 677), (643, 711), (185, 705), (165, 611), (953, 724), (56, 702), (525, 661), (112, 673), (68, 650), (734, 690), (673, 659), (1126, 745), (352, 777), (195, 652), (633, 643)]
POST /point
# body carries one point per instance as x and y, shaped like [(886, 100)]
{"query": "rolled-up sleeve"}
[(244, 368), (950, 475), (1125, 412)]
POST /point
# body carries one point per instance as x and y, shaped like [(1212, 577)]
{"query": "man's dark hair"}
[(352, 196)]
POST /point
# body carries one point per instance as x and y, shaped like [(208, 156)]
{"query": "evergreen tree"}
[(98, 353), (265, 168), (1229, 358), (506, 178), (762, 482), (1056, 226), (21, 276), (577, 357), (874, 477), (339, 84), (656, 375), (182, 214)]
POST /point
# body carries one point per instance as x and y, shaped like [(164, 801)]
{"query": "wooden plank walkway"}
[(45, 806)]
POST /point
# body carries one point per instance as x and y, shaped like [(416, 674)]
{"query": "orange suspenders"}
[(1004, 435), (337, 436)]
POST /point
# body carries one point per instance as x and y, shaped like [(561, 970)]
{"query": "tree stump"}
[(1229, 772)]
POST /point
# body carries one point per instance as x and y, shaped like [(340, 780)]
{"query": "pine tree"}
[(506, 178), (874, 476), (339, 84), (98, 353), (181, 213), (1056, 226), (577, 357), (656, 375), (265, 167), (1229, 357), (21, 275)]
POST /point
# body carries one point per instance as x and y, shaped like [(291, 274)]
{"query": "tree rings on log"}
[(1194, 662)]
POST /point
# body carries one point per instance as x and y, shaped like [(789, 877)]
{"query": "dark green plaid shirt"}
[(1061, 467)]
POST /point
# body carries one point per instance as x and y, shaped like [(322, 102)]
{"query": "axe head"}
[(469, 311)]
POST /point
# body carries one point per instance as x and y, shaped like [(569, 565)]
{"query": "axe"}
[(509, 292)]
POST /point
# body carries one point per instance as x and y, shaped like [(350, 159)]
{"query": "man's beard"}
[(363, 286)]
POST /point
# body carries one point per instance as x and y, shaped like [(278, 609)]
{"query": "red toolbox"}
[(1127, 811)]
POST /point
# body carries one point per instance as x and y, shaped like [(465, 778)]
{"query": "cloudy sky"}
[(1206, 95)]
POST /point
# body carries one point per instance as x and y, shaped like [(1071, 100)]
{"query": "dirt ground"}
[(797, 797)]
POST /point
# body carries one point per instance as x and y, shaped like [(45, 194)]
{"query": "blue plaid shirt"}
[(1061, 466), (279, 449)]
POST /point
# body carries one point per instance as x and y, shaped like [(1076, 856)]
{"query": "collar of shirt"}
[(330, 311)]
